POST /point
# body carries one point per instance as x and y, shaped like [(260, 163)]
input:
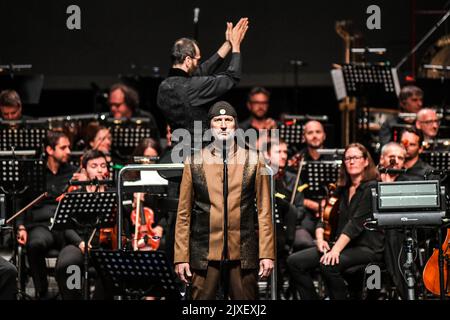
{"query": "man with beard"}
[(410, 101), (204, 253), (314, 137), (258, 106), (33, 230), (412, 139), (190, 87)]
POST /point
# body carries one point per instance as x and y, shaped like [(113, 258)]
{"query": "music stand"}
[(137, 273), (20, 177), (87, 211), (24, 137), (319, 174), (437, 159), (127, 134)]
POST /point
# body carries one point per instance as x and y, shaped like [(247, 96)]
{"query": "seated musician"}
[(124, 103), (314, 137), (286, 214), (94, 166), (410, 101), (98, 137), (393, 157), (33, 228), (428, 122), (412, 139), (149, 148), (8, 284), (350, 243), (11, 106)]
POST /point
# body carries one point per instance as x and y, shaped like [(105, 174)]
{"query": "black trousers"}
[(69, 256), (8, 285), (301, 263), (40, 241)]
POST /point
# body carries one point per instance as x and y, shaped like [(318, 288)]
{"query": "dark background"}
[(135, 37)]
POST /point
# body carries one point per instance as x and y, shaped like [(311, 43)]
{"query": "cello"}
[(431, 271), (145, 238)]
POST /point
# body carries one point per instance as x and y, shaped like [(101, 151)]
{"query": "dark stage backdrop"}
[(134, 37)]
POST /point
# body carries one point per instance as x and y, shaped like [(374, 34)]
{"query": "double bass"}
[(431, 270)]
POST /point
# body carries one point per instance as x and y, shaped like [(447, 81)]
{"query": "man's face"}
[(194, 62), (117, 105), (393, 157), (61, 153), (97, 168), (429, 124), (314, 134), (258, 105), (412, 104), (11, 112), (223, 127), (411, 143), (278, 155)]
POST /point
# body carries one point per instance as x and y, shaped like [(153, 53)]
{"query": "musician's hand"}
[(323, 246), (265, 268), (331, 257), (183, 272), (270, 124), (22, 236), (158, 230), (80, 176), (82, 246)]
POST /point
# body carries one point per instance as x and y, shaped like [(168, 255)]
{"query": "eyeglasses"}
[(348, 159), (428, 122), (116, 104), (259, 102)]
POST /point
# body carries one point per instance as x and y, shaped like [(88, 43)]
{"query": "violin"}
[(145, 238), (431, 271), (329, 215)]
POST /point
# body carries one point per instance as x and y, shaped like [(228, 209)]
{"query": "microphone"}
[(196, 14)]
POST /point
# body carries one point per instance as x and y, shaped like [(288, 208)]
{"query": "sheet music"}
[(338, 83)]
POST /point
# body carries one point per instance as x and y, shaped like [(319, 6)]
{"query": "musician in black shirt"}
[(350, 243), (33, 230), (190, 88)]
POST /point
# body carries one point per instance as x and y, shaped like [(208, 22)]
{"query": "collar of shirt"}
[(177, 72)]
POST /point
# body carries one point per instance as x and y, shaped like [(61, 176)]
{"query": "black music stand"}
[(137, 274), (21, 177), (127, 134), (291, 132), (23, 137), (437, 159), (87, 211), (319, 174)]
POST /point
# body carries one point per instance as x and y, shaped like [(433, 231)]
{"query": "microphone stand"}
[(224, 261)]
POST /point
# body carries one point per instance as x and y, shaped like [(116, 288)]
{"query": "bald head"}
[(314, 134), (393, 155), (428, 121)]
